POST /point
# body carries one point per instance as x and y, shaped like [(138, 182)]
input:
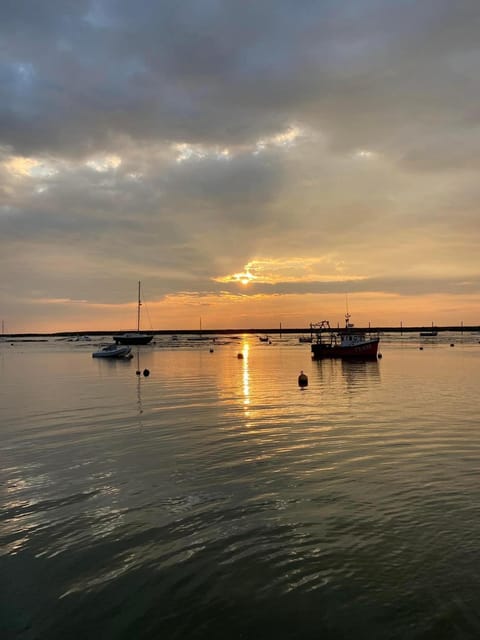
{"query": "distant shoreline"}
[(262, 331)]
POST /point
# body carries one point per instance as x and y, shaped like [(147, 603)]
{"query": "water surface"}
[(216, 499)]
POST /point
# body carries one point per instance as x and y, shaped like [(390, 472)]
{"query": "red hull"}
[(365, 351)]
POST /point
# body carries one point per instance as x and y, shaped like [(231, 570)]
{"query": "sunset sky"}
[(251, 162)]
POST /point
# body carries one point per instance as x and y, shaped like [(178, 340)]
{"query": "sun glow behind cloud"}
[(21, 166), (282, 139), (103, 164), (328, 268), (184, 151)]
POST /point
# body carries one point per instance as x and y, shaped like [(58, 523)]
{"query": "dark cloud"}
[(75, 76)]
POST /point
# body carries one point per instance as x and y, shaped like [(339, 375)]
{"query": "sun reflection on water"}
[(245, 376)]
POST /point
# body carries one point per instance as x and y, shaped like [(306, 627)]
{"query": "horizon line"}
[(251, 330)]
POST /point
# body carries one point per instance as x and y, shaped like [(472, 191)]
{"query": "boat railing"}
[(322, 332)]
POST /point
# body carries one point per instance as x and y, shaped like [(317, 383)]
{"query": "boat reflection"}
[(340, 375), (245, 375)]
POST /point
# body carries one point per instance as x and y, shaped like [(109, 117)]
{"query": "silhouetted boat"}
[(135, 337), (348, 343), (431, 333)]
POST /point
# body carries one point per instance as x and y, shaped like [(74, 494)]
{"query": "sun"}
[(244, 278)]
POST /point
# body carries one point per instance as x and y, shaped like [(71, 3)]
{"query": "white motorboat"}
[(113, 351)]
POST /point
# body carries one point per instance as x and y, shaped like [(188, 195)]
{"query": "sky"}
[(251, 162)]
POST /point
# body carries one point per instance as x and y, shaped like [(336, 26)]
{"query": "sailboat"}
[(200, 336), (135, 337), (429, 334)]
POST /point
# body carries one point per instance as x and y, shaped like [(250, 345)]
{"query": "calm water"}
[(215, 499)]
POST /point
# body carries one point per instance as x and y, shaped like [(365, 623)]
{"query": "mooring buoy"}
[(302, 379)]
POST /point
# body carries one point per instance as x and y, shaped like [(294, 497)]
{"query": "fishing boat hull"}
[(361, 351), (133, 338)]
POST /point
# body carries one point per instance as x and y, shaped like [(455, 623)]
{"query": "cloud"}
[(181, 143)]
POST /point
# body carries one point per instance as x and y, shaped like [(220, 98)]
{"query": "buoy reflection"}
[(246, 377)]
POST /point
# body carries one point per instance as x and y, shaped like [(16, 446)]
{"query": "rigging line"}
[(145, 306)]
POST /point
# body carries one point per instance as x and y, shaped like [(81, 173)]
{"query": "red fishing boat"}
[(348, 343)]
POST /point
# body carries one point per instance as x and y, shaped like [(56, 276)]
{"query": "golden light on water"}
[(245, 376)]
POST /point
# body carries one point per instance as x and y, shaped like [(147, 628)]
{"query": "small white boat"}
[(113, 351)]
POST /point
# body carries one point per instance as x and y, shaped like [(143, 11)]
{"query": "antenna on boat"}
[(347, 315)]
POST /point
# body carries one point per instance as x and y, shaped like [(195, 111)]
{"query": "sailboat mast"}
[(138, 309)]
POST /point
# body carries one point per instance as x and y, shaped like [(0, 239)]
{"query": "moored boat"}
[(113, 351), (135, 337), (348, 343), (431, 333)]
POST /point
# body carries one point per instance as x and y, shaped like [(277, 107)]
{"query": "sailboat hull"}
[(133, 338)]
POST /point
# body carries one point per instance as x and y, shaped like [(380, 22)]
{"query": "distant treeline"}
[(263, 331)]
